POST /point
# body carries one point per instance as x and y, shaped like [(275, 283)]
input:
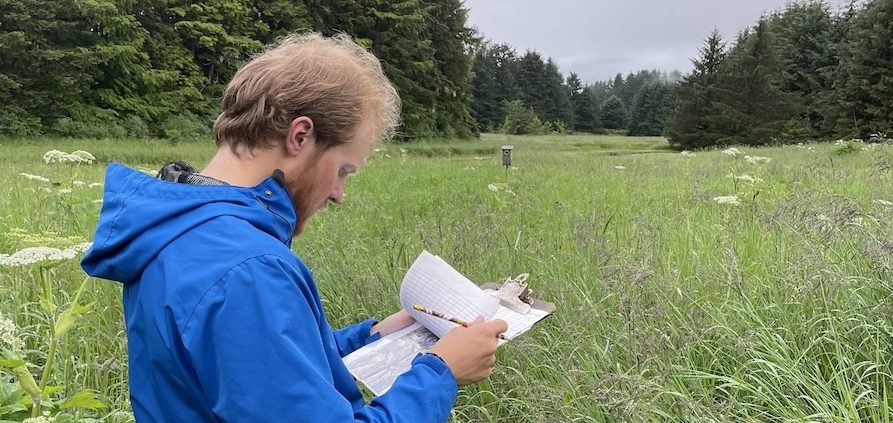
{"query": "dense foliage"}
[(802, 72), (157, 67)]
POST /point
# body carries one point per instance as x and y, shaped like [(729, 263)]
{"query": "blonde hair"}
[(331, 80)]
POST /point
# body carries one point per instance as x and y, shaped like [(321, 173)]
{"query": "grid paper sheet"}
[(433, 283)]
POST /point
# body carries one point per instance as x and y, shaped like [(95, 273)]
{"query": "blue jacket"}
[(224, 321)]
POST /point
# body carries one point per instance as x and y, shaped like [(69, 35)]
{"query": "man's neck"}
[(246, 170)]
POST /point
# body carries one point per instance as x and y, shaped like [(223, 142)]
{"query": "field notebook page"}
[(433, 283)]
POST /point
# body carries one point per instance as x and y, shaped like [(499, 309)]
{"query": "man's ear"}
[(301, 136)]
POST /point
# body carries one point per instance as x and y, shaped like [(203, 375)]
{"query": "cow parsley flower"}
[(728, 199), (34, 177), (75, 157), (757, 159), (686, 153), (34, 255), (95, 185), (732, 152), (884, 203), (620, 167), (41, 419), (493, 187), (64, 191), (78, 183), (9, 338)]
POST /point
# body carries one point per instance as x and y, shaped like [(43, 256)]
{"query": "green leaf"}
[(11, 363), (26, 380), (68, 317), (83, 400)]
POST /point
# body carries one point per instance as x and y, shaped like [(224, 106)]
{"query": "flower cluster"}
[(728, 199), (757, 159), (884, 203), (34, 177), (732, 152), (620, 167), (75, 157), (686, 153), (32, 255), (46, 418), (745, 178), (9, 338)]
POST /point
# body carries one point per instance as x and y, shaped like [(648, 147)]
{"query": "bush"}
[(136, 127), (17, 125), (521, 120), (90, 122), (186, 126)]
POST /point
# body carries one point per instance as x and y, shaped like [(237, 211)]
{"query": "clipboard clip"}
[(515, 294)]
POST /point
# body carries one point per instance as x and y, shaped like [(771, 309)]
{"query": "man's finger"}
[(497, 326)]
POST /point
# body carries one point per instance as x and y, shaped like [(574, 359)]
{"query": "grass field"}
[(672, 306)]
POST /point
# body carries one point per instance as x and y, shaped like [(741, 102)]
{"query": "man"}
[(224, 322)]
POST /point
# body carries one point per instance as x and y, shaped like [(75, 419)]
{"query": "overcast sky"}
[(597, 39)]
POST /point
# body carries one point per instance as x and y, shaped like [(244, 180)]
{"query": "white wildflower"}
[(479, 158), (728, 199), (76, 157), (403, 151), (99, 201), (9, 338), (82, 247), (387, 155), (732, 152), (33, 255), (757, 159), (34, 177), (746, 178), (63, 191), (376, 150), (95, 185), (78, 183), (81, 156), (41, 419), (686, 153), (620, 167), (883, 202), (54, 156), (493, 187)]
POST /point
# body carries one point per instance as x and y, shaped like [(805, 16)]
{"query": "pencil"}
[(455, 320)]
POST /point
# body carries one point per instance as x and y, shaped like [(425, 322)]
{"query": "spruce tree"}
[(752, 108), (804, 39), (691, 125), (652, 106), (613, 113), (493, 82), (865, 77), (585, 113)]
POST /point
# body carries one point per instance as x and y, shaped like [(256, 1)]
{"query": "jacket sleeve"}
[(259, 355), (354, 337)]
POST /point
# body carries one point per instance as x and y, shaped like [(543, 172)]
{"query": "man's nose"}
[(337, 196)]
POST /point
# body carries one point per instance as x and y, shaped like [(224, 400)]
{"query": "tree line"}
[(799, 73), (144, 68), (149, 68)]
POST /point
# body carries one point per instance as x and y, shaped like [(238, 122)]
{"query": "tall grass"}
[(671, 307)]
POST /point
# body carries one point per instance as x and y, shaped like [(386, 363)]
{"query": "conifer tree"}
[(613, 113), (691, 124), (652, 106)]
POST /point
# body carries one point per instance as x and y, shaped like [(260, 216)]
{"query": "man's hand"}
[(392, 323), (470, 352)]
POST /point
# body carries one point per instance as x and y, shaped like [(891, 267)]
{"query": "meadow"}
[(713, 287)]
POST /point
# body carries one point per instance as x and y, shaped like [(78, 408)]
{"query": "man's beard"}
[(301, 187)]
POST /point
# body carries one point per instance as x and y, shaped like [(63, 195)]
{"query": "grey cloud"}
[(598, 39)]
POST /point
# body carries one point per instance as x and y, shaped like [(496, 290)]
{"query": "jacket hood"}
[(141, 215)]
